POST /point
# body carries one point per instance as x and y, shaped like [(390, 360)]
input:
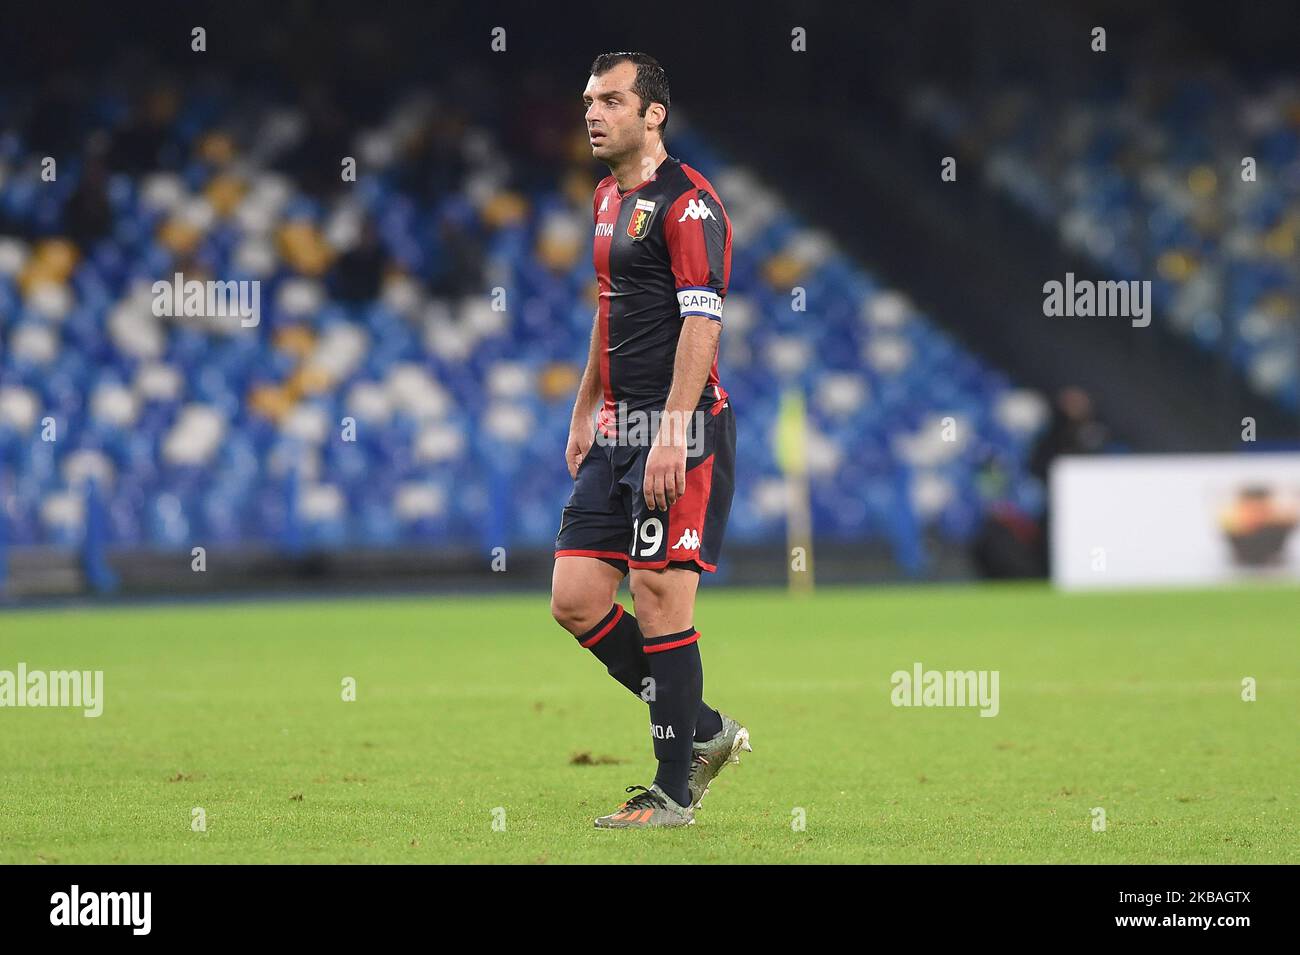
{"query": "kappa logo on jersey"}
[(696, 209), (638, 227), (604, 204), (690, 540)]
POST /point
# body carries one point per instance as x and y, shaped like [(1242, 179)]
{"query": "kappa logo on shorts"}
[(690, 540)]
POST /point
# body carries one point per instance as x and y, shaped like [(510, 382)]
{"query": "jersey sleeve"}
[(698, 235)]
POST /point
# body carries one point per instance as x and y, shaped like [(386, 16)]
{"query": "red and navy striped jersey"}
[(662, 252)]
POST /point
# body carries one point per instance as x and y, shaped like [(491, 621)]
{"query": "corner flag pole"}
[(792, 457)]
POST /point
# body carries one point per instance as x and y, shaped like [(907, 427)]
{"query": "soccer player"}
[(654, 474)]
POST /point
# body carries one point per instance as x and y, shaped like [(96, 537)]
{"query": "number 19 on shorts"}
[(649, 535)]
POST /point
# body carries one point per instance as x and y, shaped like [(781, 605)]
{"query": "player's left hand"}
[(665, 475)]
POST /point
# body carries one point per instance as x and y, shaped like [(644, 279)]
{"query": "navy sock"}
[(678, 687), (616, 642), (708, 724)]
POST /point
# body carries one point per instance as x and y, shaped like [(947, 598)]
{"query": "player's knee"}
[(651, 600), (576, 611), (664, 600), (652, 588), (582, 593)]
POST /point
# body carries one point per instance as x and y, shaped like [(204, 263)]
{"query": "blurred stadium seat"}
[(1145, 177)]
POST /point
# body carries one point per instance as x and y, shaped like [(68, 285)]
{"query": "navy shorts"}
[(607, 517)]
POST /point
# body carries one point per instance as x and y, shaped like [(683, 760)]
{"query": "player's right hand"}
[(581, 437)]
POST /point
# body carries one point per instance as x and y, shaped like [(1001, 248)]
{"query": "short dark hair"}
[(651, 82)]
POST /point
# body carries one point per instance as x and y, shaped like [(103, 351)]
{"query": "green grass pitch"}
[(1127, 702)]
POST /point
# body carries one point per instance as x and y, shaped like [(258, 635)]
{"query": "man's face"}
[(614, 124)]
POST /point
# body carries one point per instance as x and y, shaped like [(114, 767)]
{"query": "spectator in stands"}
[(89, 216), (1074, 430), (140, 146), (360, 271)]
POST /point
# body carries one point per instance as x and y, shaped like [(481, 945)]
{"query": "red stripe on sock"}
[(618, 615), (661, 647)]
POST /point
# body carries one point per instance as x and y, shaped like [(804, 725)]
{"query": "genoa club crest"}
[(639, 225)]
